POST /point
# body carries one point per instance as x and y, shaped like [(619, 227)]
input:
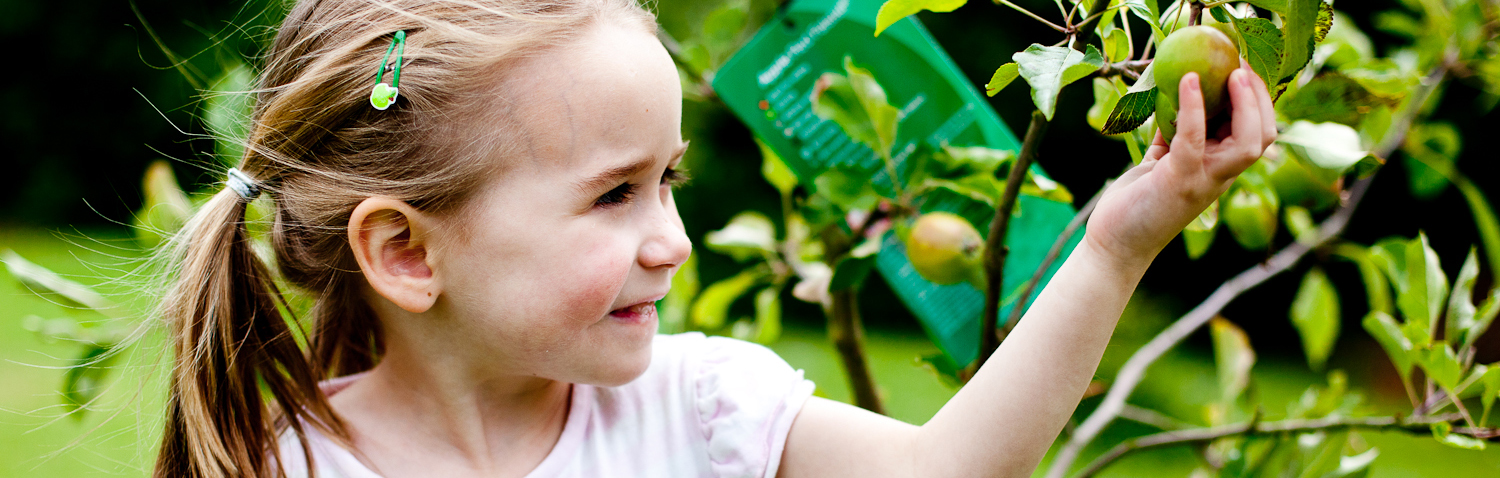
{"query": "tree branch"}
[(995, 250), (1062, 240), (1135, 368), (1132, 68), (846, 330), (1201, 435)]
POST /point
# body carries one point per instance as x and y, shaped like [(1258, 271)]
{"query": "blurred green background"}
[(91, 98)]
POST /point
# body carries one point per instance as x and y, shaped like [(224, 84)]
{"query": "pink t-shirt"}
[(706, 407)]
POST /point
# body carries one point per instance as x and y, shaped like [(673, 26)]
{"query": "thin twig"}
[(1201, 435), (995, 249), (1028, 13), (1122, 68), (1135, 368), (1062, 241), (1100, 14), (1153, 418)]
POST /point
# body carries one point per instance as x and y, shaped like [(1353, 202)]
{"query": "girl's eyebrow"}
[(612, 176)]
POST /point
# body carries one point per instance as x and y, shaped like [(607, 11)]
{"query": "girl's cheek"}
[(595, 281)]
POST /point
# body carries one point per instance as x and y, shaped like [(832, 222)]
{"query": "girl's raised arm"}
[(1002, 422)]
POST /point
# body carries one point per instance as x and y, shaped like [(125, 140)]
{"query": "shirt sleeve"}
[(747, 398)]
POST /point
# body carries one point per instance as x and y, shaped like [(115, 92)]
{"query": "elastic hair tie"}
[(384, 95), (242, 185)]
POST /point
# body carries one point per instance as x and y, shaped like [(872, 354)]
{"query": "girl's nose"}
[(667, 243)]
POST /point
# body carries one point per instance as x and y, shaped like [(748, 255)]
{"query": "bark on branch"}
[(1135, 368), (1421, 426)]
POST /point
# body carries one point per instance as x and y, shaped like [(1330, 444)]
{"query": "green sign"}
[(768, 85)]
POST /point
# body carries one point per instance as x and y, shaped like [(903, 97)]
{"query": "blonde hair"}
[(318, 148)]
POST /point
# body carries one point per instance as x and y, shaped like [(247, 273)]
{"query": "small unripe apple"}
[(1250, 215), (945, 249), (1196, 49)]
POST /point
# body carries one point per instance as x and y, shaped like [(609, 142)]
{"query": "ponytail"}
[(239, 376)]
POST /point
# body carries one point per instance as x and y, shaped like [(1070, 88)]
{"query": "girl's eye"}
[(619, 195), (674, 178)]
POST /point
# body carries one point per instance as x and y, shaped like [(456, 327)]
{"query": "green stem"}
[(1032, 15)]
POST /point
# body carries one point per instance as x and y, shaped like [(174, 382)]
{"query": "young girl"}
[(485, 252)]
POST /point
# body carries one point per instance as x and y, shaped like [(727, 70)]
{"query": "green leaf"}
[(748, 235), (674, 308), (165, 207), (1147, 11), (1332, 147), (1345, 44), (775, 170), (1421, 297), (711, 310), (1483, 317), (723, 25), (1003, 76), (883, 116), (1461, 307), (1462, 441), (1106, 96), (1355, 466), (964, 161), (848, 187), (1261, 46), (1442, 365), (858, 104), (1388, 334), (1383, 77), (1300, 223), (1491, 382), (893, 11), (1130, 111), (84, 380), (1431, 150), (43, 282), (1219, 14), (1116, 46), (1050, 68), (768, 315), (850, 272), (1332, 97), (1315, 314), (1278, 6), (1233, 357), (1299, 30), (1377, 289)]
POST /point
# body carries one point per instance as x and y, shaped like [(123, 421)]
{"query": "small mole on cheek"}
[(429, 294)]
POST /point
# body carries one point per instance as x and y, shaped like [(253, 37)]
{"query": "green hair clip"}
[(384, 95)]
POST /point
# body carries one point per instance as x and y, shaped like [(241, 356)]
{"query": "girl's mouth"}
[(639, 313)]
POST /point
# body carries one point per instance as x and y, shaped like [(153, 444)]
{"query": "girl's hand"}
[(1149, 204)]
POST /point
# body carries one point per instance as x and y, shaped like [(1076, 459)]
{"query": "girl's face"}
[(569, 249)]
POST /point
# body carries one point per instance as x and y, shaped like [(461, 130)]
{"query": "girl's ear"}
[(391, 242)]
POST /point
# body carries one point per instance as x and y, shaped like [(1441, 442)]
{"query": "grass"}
[(118, 436)]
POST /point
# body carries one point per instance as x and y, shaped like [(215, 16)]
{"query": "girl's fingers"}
[(1191, 127), (1267, 110), (1157, 150), (1245, 124)]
